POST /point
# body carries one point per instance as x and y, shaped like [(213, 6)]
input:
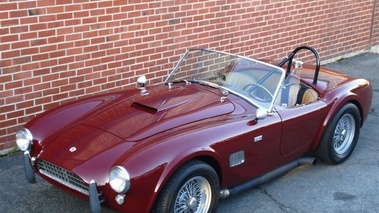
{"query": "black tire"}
[(340, 136), (174, 195)]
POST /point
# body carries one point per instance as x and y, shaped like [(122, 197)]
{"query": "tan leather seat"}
[(306, 95), (294, 93)]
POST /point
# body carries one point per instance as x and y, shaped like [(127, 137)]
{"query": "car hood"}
[(110, 130), (162, 109)]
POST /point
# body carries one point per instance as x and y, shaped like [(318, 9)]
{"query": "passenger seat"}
[(306, 95), (294, 93)]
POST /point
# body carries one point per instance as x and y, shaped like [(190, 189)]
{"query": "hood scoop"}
[(157, 107), (144, 108)]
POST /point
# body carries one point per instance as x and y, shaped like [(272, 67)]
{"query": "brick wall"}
[(53, 51)]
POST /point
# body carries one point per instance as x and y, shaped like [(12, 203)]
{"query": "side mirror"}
[(260, 114)]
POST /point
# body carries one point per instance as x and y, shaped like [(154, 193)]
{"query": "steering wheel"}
[(259, 92)]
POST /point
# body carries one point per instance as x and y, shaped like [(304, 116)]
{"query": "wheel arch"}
[(172, 164), (338, 103), (213, 163), (205, 155), (329, 150), (359, 106)]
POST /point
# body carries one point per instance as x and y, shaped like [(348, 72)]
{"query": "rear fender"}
[(359, 95)]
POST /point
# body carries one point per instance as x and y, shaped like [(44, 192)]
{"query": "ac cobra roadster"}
[(221, 123)]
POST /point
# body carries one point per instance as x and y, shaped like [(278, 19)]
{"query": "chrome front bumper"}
[(94, 198), (29, 172)]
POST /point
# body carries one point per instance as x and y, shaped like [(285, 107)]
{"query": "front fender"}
[(182, 158), (158, 164)]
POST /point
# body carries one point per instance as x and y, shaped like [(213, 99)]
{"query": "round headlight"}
[(119, 179), (24, 139)]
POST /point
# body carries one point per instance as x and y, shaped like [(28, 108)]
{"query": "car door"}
[(263, 150), (253, 150), (300, 125), (251, 147)]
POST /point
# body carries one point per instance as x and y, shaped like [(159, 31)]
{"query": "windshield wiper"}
[(210, 84), (188, 82)]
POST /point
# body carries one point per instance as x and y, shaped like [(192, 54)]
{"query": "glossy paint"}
[(152, 135)]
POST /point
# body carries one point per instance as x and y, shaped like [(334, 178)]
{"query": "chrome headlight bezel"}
[(24, 139), (119, 179)]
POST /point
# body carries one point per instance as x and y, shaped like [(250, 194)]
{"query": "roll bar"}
[(290, 57)]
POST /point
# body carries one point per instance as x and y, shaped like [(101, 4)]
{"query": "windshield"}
[(253, 80)]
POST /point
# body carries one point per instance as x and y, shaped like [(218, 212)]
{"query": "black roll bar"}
[(289, 59)]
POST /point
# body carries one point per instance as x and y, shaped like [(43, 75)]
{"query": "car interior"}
[(295, 93)]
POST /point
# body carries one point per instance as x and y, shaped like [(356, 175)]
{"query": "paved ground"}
[(350, 187)]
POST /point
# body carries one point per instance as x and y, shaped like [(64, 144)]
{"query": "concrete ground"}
[(349, 187)]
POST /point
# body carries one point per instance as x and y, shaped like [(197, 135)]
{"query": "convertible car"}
[(220, 124)]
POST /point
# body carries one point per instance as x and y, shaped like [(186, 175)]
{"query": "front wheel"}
[(193, 188), (340, 136)]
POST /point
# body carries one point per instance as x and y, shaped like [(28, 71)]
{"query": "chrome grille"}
[(63, 176)]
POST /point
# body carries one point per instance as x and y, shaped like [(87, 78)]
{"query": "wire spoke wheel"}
[(194, 197), (192, 188), (340, 136), (344, 134)]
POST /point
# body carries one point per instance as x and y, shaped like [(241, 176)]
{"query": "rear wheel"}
[(340, 136), (193, 188)]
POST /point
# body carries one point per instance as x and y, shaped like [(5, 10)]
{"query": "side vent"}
[(144, 108), (237, 158)]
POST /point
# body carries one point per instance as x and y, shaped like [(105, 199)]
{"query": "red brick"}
[(23, 90), (55, 10), (33, 110), (105, 18), (9, 22), (68, 87), (81, 14), (9, 38), (18, 29), (8, 6), (16, 45), (50, 91), (77, 93), (46, 33), (18, 13), (13, 99), (51, 105), (43, 100), (72, 7), (77, 39)]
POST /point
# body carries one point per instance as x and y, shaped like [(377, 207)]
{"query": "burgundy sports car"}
[(220, 123)]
